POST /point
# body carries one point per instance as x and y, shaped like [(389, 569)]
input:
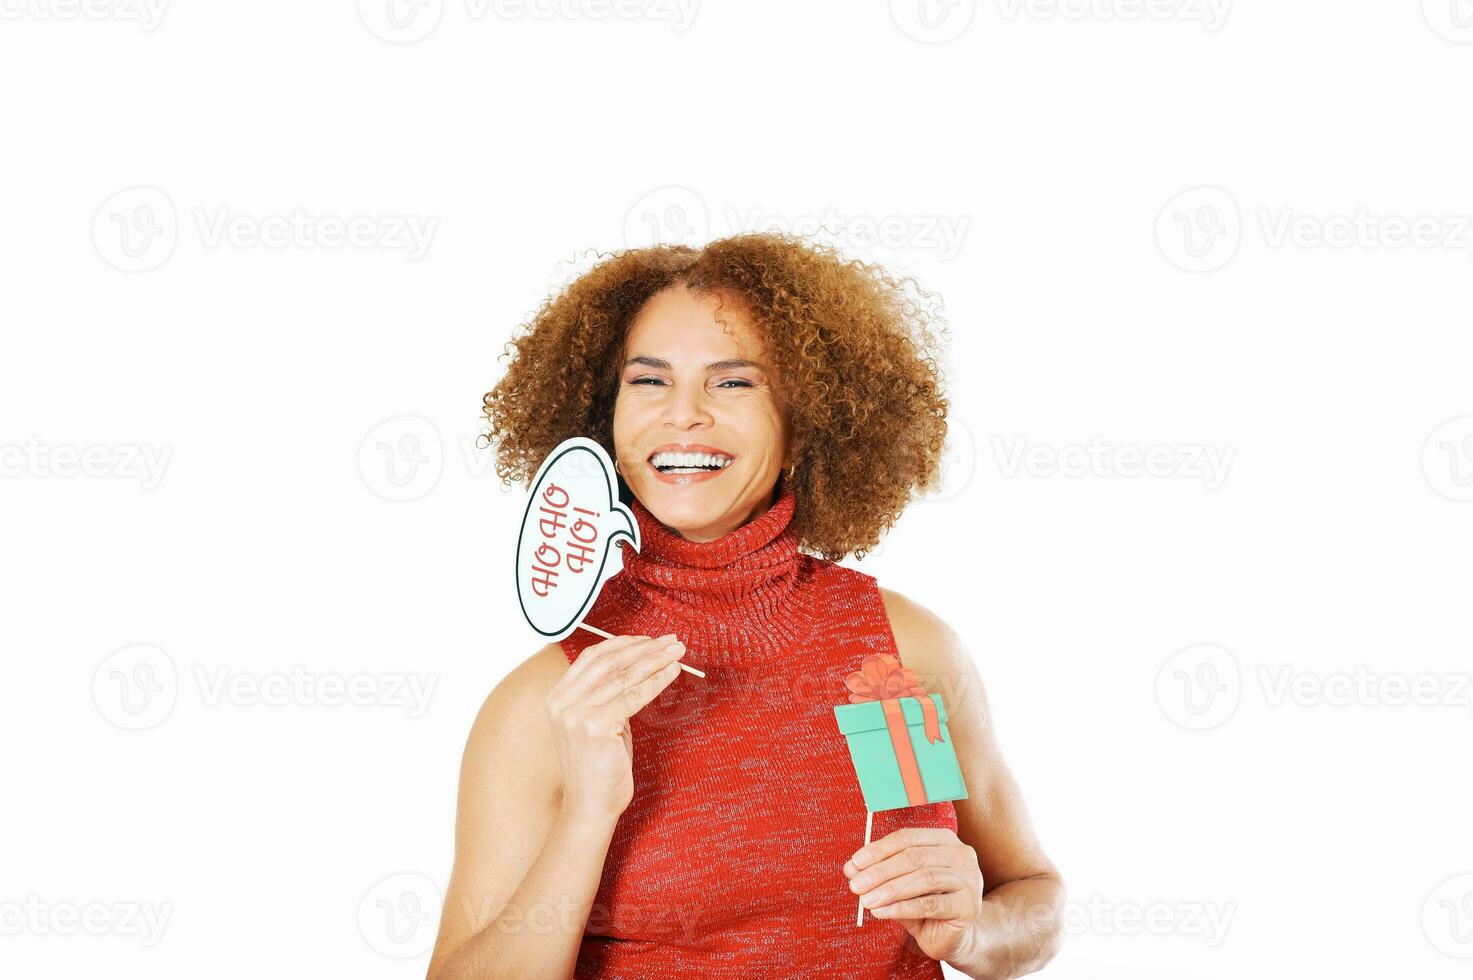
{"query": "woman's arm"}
[(524, 876), (1019, 926), (546, 774)]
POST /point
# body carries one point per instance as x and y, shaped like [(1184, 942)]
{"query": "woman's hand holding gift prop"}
[(926, 879)]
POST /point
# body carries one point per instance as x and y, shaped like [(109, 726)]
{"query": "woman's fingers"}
[(646, 691), (619, 663), (894, 843), (908, 861), (922, 881), (937, 905), (917, 873), (595, 652), (639, 682), (602, 659)]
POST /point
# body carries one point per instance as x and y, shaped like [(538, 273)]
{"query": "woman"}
[(618, 818)]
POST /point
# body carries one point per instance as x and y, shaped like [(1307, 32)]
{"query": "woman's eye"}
[(728, 381)]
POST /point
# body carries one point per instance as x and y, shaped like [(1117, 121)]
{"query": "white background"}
[(240, 471)]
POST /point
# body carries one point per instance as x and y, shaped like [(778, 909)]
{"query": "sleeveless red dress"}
[(729, 860)]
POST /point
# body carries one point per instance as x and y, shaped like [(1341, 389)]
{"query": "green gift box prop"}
[(898, 742), (888, 756)]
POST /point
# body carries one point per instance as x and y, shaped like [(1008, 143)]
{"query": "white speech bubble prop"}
[(572, 520)]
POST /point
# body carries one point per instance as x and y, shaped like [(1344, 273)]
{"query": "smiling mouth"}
[(676, 463)]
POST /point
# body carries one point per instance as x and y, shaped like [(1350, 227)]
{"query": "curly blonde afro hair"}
[(853, 349)]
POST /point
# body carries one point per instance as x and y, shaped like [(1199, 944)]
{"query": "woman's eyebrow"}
[(660, 364)]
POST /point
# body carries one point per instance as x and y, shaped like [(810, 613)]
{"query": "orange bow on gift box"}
[(881, 678)]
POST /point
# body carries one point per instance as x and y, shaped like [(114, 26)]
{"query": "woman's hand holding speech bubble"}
[(589, 711)]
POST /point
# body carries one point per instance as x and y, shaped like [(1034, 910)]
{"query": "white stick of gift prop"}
[(572, 520), (869, 819)]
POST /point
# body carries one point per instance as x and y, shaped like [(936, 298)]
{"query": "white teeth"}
[(663, 460)]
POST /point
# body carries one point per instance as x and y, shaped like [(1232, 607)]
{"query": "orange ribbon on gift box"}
[(881, 678)]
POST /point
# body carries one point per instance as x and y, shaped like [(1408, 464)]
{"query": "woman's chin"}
[(687, 509)]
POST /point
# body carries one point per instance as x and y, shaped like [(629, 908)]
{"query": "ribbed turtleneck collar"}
[(733, 601)]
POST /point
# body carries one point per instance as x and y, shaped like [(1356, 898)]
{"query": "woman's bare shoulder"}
[(539, 672), (521, 692), (926, 644), (512, 719)]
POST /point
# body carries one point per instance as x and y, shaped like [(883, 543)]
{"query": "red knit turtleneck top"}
[(729, 860)]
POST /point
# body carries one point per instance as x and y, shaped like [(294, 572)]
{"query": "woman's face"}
[(688, 385)]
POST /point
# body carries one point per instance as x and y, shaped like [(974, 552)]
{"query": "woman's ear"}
[(795, 450)]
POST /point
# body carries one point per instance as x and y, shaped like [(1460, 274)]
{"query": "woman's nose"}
[(686, 406)]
